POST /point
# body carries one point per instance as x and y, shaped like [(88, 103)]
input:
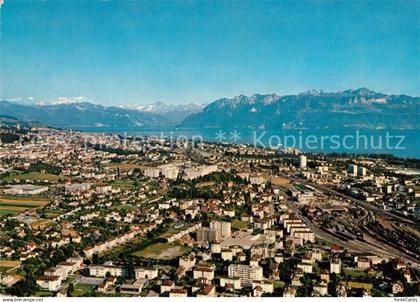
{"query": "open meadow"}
[(15, 205), (162, 251)]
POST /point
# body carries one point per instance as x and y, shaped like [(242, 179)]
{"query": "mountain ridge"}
[(82, 114), (313, 109), (353, 108)]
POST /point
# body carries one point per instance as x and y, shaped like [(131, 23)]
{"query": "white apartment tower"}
[(352, 169), (247, 273), (303, 160), (335, 266)]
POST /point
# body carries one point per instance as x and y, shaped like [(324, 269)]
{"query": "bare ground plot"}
[(280, 181), (126, 166), (162, 251), (41, 224)]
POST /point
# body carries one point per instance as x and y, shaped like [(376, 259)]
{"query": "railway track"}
[(371, 244)]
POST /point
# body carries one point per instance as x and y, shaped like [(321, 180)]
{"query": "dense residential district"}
[(86, 214)]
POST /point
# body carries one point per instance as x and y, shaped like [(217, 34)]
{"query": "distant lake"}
[(401, 143)]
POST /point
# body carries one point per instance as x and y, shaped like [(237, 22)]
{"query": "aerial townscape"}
[(87, 214), (199, 149)]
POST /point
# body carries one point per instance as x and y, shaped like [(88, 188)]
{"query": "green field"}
[(8, 212), (16, 205), (162, 251), (238, 224), (6, 265), (53, 213), (4, 268), (43, 293), (34, 176), (19, 205), (278, 284), (123, 183), (81, 290), (355, 273)]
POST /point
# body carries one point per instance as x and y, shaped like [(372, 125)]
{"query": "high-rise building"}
[(217, 231), (352, 169), (303, 161), (152, 172), (246, 273), (222, 227), (335, 266), (207, 234), (195, 172), (361, 171), (169, 171)]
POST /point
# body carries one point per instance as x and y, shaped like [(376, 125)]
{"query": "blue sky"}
[(115, 52)]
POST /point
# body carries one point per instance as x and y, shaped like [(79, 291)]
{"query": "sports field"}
[(34, 176), (280, 181), (162, 251)]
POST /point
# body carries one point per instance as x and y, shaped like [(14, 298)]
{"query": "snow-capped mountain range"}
[(315, 109), (175, 113)]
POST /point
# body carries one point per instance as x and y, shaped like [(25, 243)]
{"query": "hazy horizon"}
[(64, 99)]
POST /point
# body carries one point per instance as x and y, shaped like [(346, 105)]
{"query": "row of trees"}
[(35, 267)]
